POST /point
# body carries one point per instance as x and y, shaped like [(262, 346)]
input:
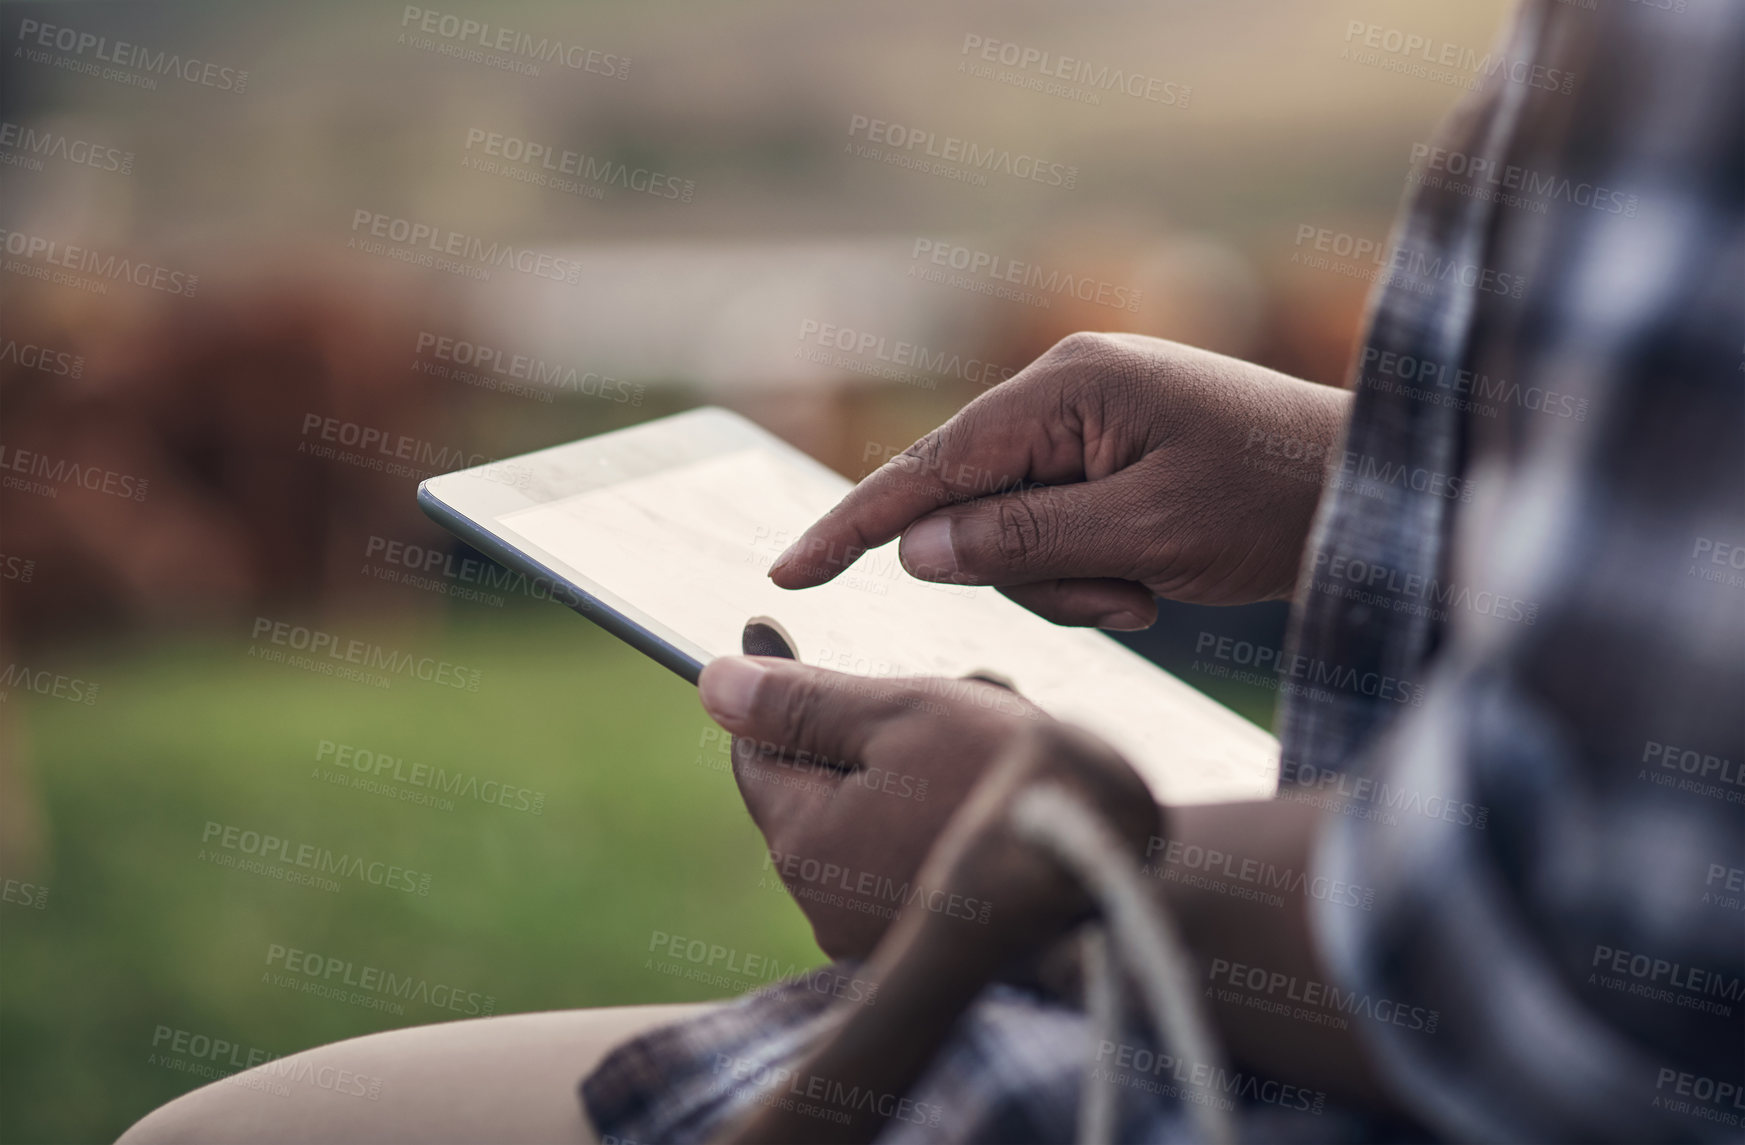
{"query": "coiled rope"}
[(1136, 932)]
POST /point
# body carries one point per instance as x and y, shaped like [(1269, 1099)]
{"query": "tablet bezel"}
[(469, 502)]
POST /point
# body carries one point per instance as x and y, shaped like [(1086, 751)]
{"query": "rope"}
[(1104, 1002), (1052, 817)]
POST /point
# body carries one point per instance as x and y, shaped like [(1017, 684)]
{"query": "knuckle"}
[(942, 463), (798, 708), (1093, 371), (922, 461), (1083, 343), (1026, 535), (1090, 354), (924, 453)]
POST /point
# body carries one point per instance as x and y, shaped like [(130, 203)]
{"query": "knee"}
[(216, 1113), (159, 1127)]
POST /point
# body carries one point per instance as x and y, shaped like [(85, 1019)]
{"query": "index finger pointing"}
[(955, 462)]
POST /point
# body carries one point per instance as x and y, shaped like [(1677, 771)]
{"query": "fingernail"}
[(728, 686), (925, 549), (781, 561), (1123, 621)]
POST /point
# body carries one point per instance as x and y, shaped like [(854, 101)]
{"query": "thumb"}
[(796, 708), (1047, 532)]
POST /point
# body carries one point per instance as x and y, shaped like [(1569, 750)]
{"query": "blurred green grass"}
[(641, 832), (554, 910)]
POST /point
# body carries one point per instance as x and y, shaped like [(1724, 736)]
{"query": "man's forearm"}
[(1233, 935)]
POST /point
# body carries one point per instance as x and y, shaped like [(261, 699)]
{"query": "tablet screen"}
[(688, 546)]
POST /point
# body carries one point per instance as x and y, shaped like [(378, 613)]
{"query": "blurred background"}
[(264, 267)]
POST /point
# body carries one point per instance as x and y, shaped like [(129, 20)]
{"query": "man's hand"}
[(832, 768), (1113, 469), (852, 779)]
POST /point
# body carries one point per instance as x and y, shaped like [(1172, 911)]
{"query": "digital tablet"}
[(661, 534)]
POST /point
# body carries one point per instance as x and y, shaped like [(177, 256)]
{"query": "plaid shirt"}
[(1522, 629), (1556, 832)]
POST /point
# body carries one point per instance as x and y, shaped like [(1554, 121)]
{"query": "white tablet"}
[(662, 533)]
